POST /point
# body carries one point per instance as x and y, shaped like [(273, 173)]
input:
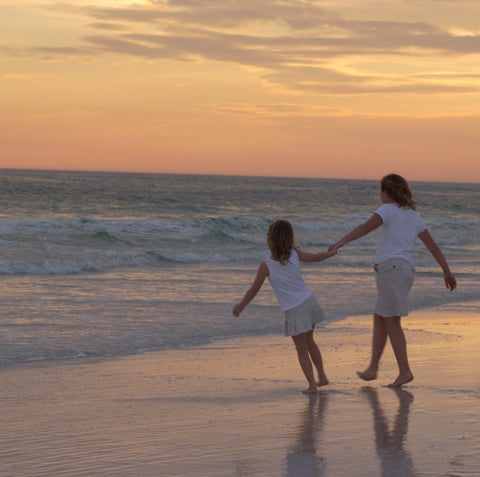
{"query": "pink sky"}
[(317, 88)]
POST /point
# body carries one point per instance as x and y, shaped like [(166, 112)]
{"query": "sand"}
[(234, 408)]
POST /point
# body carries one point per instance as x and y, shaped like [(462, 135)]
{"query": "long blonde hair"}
[(399, 190), (280, 240)]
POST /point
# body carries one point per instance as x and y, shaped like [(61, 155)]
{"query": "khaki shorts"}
[(394, 279), (301, 319)]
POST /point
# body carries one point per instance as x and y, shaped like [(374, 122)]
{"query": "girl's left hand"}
[(450, 281), (237, 309)]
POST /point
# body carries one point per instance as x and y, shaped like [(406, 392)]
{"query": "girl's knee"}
[(300, 341), (311, 342)]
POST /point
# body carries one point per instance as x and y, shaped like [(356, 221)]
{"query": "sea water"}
[(110, 264)]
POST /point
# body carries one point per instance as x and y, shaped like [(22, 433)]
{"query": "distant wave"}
[(155, 258), (88, 244), (69, 267), (215, 229)]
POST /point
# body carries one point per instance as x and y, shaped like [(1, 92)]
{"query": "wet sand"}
[(235, 408)]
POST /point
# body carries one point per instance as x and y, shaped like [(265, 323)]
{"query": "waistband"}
[(392, 264)]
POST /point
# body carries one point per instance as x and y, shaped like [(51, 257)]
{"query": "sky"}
[(298, 88)]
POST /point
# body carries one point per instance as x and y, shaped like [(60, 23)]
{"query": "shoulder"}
[(417, 220), (387, 207), (385, 210), (413, 214), (294, 257), (263, 268)]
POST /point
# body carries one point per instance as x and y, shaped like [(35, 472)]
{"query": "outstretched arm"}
[(371, 224), (262, 273), (314, 257), (434, 249)]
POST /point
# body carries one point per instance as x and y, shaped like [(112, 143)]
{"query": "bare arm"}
[(314, 257), (434, 249), (371, 224), (262, 273)]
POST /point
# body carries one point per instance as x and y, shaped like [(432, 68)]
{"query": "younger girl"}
[(399, 226), (300, 307)]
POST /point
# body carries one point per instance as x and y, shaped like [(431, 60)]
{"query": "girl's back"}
[(287, 282)]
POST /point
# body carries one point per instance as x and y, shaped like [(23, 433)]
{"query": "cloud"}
[(293, 21), (315, 80), (293, 42), (279, 110), (106, 26)]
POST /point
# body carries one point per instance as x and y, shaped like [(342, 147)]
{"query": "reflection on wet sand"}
[(395, 460), (303, 458)]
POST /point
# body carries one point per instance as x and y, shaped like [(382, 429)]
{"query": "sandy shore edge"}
[(235, 408)]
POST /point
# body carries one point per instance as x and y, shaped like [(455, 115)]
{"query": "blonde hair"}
[(280, 240), (398, 189)]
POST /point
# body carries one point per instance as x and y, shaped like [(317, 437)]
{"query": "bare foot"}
[(310, 391), (401, 380), (323, 382), (367, 375)]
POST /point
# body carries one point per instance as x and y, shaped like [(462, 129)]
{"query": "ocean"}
[(97, 264)]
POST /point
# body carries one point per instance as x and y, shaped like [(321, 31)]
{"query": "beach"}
[(119, 355), (235, 408)]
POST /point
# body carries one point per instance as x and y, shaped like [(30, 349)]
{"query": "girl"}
[(300, 307), (399, 226)]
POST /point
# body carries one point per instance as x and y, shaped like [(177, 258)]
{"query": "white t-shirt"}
[(398, 232), (287, 282)]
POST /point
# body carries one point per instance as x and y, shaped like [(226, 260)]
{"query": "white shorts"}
[(301, 319), (394, 279)]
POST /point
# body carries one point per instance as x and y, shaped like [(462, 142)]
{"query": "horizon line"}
[(107, 171)]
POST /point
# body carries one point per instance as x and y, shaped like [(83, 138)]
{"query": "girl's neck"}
[(386, 198)]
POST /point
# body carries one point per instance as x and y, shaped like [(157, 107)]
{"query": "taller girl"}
[(399, 225)]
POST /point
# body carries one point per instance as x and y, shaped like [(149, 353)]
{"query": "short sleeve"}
[(382, 211), (420, 224)]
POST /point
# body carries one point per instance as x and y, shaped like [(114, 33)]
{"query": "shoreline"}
[(462, 307), (235, 408)]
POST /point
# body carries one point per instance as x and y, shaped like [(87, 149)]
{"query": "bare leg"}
[(379, 340), (305, 362), (399, 345), (316, 357)]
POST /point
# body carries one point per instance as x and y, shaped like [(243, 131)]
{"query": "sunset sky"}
[(327, 88)]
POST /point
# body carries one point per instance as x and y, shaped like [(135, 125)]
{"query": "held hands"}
[(331, 252), (334, 248)]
